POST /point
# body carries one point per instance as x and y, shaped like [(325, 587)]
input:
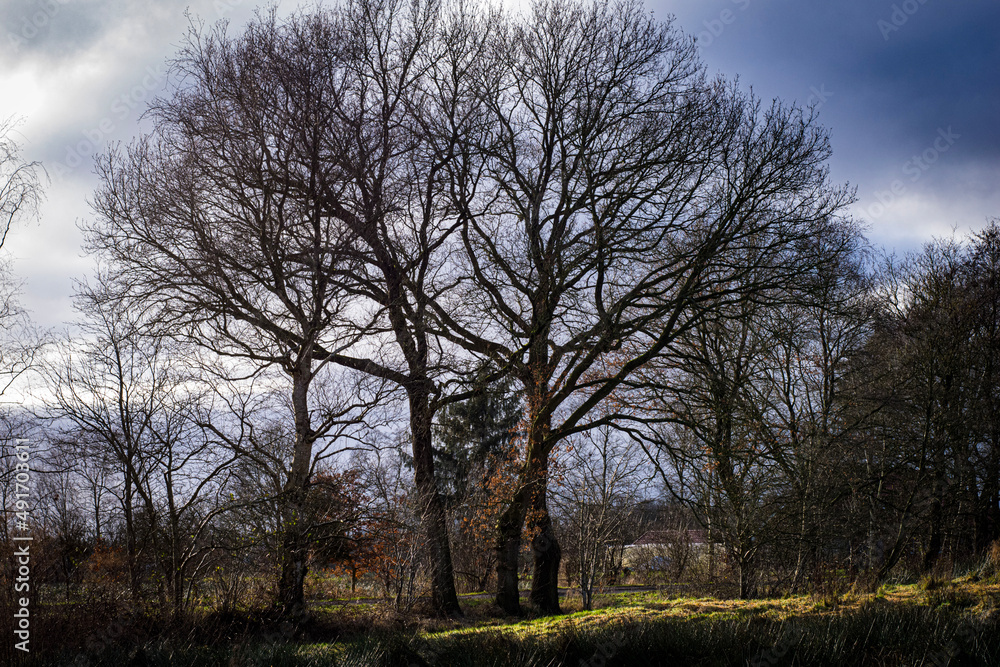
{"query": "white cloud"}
[(916, 217), (75, 99)]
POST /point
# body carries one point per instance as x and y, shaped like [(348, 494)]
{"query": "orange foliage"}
[(106, 564)]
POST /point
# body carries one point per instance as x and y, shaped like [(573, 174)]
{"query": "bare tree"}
[(202, 224), (394, 81), (755, 396), (816, 335), (63, 520), (251, 420), (20, 187), (127, 416), (20, 342), (299, 221), (983, 467), (720, 466), (105, 396), (611, 196), (602, 480), (932, 447), (20, 195)]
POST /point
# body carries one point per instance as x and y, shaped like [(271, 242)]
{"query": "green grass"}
[(900, 625)]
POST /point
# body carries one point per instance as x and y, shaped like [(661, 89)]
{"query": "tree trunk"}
[(935, 539), (987, 517), (935, 530), (294, 547), (176, 572), (586, 586), (178, 593), (891, 557), (433, 517), (508, 547), (176, 583), (131, 551), (987, 522), (291, 585), (746, 574), (800, 548), (530, 496), (545, 547)]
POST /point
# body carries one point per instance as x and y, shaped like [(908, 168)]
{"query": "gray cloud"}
[(57, 30), (51, 29), (898, 73), (95, 64), (884, 93)]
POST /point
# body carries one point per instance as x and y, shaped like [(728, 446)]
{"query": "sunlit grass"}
[(897, 624), (906, 619)]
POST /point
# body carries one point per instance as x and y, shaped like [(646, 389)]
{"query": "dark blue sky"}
[(910, 92), (893, 81)]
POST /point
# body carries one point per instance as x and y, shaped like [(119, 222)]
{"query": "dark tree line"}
[(936, 386), (850, 419)]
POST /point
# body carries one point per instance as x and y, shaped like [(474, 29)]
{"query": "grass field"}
[(934, 623)]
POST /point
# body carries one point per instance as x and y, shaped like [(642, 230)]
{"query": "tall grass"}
[(875, 633)]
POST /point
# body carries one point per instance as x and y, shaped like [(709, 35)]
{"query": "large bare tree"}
[(383, 92), (391, 86), (610, 197), (199, 225), (285, 211)]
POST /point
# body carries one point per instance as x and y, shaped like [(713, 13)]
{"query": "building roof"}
[(692, 536)]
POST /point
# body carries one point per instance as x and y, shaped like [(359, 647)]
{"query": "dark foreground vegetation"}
[(935, 622)]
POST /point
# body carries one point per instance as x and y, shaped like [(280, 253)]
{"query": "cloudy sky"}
[(910, 92)]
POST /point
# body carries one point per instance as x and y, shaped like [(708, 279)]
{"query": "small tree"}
[(600, 479), (390, 542), (20, 187), (20, 195), (129, 416), (475, 438)]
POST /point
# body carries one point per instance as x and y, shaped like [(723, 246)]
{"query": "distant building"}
[(693, 537), (658, 550)]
